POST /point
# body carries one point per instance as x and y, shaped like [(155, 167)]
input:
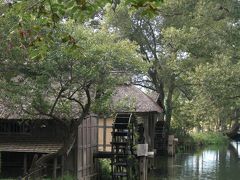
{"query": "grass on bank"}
[(196, 140), (209, 138)]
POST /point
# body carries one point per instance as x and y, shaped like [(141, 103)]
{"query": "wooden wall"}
[(35, 128), (87, 145), (104, 134), (95, 135), (148, 119)]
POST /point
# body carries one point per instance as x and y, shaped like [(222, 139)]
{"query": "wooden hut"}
[(22, 141), (129, 98)]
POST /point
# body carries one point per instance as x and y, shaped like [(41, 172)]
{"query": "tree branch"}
[(56, 100), (184, 92), (154, 37), (145, 86), (75, 100)]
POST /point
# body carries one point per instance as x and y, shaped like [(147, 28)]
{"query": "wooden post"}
[(142, 152), (62, 165), (237, 145), (146, 129), (25, 163), (171, 145), (97, 135), (104, 133), (55, 168), (170, 169), (143, 167), (0, 162)]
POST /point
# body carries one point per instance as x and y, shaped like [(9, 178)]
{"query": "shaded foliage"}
[(192, 47)]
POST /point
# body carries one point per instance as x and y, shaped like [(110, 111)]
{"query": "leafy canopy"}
[(60, 69), (192, 47)]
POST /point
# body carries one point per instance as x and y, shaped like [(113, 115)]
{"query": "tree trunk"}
[(70, 138), (169, 104), (159, 85), (167, 108), (65, 149)]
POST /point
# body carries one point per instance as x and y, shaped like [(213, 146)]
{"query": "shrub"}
[(105, 169)]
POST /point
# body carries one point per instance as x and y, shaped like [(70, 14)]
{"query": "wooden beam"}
[(104, 133)]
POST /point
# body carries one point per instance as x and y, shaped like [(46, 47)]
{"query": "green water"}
[(213, 163)]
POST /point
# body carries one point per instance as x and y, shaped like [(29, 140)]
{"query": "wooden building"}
[(23, 141), (129, 98)]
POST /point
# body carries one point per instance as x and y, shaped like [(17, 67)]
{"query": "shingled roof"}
[(132, 99)]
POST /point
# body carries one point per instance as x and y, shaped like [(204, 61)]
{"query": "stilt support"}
[(25, 163), (55, 168)]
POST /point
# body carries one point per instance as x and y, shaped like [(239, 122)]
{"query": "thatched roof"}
[(126, 98), (131, 99), (9, 112), (154, 96)]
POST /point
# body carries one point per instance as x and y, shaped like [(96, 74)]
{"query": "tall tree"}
[(147, 32), (54, 68), (207, 32), (185, 36)]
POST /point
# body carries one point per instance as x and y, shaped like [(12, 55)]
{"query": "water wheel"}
[(123, 141)]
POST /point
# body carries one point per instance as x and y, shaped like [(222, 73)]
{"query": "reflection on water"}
[(236, 146), (221, 163)]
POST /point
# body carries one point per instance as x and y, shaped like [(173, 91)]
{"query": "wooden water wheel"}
[(123, 141)]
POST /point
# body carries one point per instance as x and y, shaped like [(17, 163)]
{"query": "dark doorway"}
[(11, 164)]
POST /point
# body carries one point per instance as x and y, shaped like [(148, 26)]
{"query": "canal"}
[(218, 163)]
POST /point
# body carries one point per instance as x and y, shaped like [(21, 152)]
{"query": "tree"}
[(185, 37), (81, 10), (206, 31), (147, 32), (59, 69)]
